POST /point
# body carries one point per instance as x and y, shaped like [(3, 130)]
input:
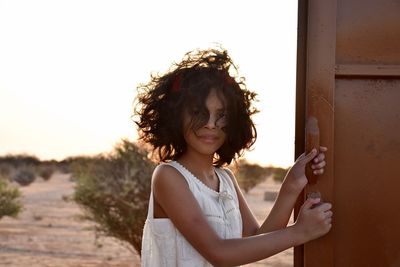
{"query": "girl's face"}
[(209, 136)]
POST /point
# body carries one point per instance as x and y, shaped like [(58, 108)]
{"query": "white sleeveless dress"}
[(163, 245)]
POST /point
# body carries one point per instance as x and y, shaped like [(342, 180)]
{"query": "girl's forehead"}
[(215, 100)]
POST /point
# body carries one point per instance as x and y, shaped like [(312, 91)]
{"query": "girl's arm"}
[(292, 186), (294, 183), (172, 193)]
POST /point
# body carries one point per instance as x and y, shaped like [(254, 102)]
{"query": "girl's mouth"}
[(208, 138)]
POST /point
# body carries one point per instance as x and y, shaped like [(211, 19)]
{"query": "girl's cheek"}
[(221, 123)]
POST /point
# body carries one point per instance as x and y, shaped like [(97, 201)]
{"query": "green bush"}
[(249, 175), (9, 200), (114, 191)]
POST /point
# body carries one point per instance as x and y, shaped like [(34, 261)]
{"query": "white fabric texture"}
[(163, 245)]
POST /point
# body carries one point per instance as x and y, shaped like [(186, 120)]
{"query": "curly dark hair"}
[(185, 87)]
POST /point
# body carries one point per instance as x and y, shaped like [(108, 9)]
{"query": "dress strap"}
[(182, 170), (150, 214), (185, 174), (227, 180)]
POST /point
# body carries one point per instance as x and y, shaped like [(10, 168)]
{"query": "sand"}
[(49, 231)]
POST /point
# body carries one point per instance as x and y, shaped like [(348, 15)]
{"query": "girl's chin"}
[(205, 149)]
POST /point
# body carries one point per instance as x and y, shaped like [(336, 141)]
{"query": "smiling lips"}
[(208, 138)]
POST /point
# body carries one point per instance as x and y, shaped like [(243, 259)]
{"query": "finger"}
[(323, 148), (301, 157), (319, 165), (318, 172), (320, 157), (311, 202), (307, 158), (328, 214), (325, 207)]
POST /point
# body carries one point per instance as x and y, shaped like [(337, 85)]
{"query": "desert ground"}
[(50, 231)]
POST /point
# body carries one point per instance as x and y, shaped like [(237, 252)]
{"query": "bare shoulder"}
[(166, 177), (165, 170)]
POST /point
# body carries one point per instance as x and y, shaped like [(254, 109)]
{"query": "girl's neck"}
[(200, 165)]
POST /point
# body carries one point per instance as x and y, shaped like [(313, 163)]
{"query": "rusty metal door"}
[(348, 78)]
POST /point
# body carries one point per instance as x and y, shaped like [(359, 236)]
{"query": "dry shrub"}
[(24, 175), (114, 190), (6, 170), (17, 161), (64, 166), (9, 200), (20, 168), (279, 174), (46, 170), (249, 175)]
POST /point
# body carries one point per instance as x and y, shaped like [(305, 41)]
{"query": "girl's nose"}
[(212, 122)]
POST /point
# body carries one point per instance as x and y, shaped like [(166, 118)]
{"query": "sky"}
[(69, 69)]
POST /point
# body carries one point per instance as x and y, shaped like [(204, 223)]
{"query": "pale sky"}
[(69, 69)]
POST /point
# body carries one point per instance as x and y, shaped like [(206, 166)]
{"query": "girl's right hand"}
[(314, 221)]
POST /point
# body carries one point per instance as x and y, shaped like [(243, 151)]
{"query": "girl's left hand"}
[(296, 178)]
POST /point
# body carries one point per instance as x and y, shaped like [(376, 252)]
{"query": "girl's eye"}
[(198, 111), (221, 120), (221, 115), (199, 117)]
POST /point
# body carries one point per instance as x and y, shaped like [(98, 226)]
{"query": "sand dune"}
[(50, 233)]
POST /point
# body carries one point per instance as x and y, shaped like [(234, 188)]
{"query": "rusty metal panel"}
[(368, 32), (348, 77), (367, 160)]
